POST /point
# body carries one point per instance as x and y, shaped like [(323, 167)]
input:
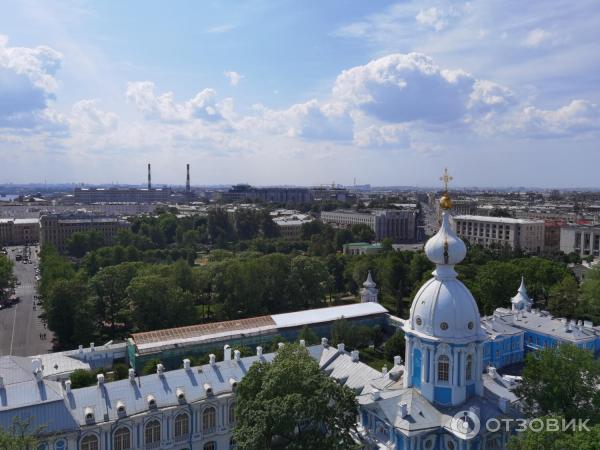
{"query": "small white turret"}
[(521, 301), (369, 292)]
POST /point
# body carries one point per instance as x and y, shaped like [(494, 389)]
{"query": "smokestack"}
[(187, 180), (149, 178)]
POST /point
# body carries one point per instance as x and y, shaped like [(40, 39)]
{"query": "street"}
[(20, 325)]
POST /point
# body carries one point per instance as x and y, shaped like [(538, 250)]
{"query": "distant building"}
[(118, 195), (498, 232), (362, 248), (290, 222), (19, 231), (552, 235), (246, 193), (398, 225), (581, 239), (56, 229)]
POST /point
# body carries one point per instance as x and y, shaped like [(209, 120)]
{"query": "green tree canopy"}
[(289, 403), (563, 298), (548, 439), (562, 381)]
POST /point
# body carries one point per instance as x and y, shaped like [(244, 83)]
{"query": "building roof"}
[(541, 322), (30, 221), (508, 220), (201, 330), (329, 314)]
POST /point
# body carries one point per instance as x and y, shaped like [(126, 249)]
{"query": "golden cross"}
[(446, 179)]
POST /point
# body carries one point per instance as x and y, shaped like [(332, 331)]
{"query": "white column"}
[(408, 362), (454, 367), (432, 365)]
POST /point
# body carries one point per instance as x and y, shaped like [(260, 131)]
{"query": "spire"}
[(521, 300), (369, 292), (369, 283)]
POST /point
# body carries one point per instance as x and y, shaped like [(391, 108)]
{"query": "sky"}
[(287, 92)]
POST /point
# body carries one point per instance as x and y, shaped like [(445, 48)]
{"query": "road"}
[(20, 325)]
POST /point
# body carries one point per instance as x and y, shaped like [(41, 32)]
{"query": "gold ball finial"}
[(446, 202)]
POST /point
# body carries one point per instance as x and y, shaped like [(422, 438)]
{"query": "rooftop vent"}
[(341, 347), (121, 408), (302, 343), (88, 414), (180, 394), (233, 383), (259, 351), (397, 360), (100, 378), (212, 359), (324, 342), (354, 354), (226, 353), (187, 364), (237, 355), (131, 373), (280, 345), (208, 389), (160, 369), (151, 401), (384, 370), (403, 410), (67, 386), (375, 394)]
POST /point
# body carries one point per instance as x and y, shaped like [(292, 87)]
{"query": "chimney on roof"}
[(187, 364), (280, 345), (226, 353), (384, 370), (237, 355), (403, 410), (354, 355), (325, 342), (341, 347), (68, 386), (131, 373), (397, 360), (38, 369), (100, 378), (160, 369), (187, 180), (302, 343), (259, 351), (212, 359), (149, 178)]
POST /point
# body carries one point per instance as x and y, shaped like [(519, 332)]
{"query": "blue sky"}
[(301, 92)]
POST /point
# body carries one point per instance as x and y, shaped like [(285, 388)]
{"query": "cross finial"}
[(446, 179)]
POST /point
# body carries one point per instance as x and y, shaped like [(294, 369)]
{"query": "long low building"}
[(19, 231), (501, 232), (172, 345), (56, 229), (398, 225)]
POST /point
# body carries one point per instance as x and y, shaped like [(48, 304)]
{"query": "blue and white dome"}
[(444, 308)]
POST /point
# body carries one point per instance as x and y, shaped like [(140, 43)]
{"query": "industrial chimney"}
[(187, 180), (149, 178)]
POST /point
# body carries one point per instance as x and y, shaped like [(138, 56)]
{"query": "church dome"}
[(444, 308)]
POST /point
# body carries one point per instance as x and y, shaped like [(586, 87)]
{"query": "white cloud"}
[(220, 29), (233, 77), (535, 38), (576, 118), (404, 88), (27, 83), (87, 117), (381, 136), (203, 105), (432, 17)]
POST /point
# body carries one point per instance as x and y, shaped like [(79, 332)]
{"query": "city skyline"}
[(301, 94)]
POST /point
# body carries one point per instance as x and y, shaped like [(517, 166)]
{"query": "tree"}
[(157, 304), (362, 233), (288, 403), (495, 283), (269, 228), (6, 276), (20, 435), (561, 380), (82, 378), (310, 276), (69, 312), (308, 335), (109, 293), (590, 296), (82, 242), (563, 297), (394, 346), (548, 438)]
